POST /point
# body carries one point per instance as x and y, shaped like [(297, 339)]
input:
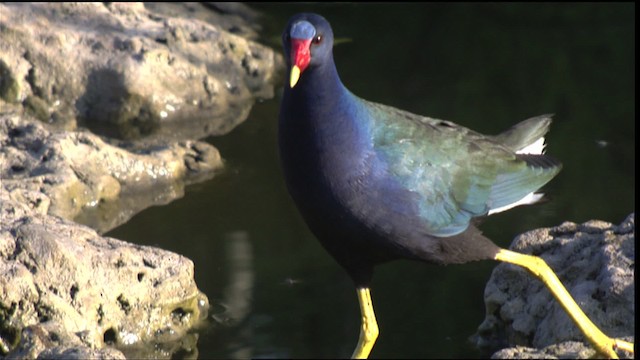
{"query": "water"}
[(274, 290)]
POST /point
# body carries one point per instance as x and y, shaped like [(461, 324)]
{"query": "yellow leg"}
[(369, 330), (603, 344)]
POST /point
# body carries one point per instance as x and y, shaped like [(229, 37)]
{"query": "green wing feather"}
[(457, 173)]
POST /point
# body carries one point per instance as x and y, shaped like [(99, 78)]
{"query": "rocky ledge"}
[(63, 286), (130, 70), (101, 106), (78, 176), (595, 262)]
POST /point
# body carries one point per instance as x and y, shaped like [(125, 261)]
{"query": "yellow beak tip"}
[(295, 76)]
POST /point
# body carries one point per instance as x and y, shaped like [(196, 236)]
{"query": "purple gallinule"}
[(375, 183)]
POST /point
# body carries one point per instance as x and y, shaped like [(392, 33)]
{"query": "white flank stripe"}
[(529, 199)]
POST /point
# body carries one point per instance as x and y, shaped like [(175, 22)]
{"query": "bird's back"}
[(454, 173)]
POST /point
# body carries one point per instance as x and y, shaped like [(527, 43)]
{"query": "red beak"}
[(300, 58)]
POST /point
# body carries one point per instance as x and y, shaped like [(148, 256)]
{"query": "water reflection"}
[(238, 294)]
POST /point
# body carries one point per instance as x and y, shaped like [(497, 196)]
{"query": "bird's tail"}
[(526, 137)]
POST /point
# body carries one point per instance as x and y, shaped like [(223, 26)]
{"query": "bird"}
[(374, 183)]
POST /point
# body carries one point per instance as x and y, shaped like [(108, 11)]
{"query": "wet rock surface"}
[(49, 340), (88, 180), (92, 291), (128, 72), (565, 350), (100, 106), (595, 262)]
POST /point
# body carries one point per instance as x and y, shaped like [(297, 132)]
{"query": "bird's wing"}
[(456, 173)]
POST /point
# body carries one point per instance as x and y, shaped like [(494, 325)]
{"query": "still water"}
[(273, 289)]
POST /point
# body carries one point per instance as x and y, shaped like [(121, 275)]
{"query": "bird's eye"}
[(317, 40)]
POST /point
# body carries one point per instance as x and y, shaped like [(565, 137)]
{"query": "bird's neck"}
[(325, 103), (319, 81)]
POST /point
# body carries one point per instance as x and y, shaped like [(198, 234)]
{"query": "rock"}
[(128, 72), (565, 350), (49, 340), (160, 75), (78, 176), (63, 353), (66, 292), (595, 262), (233, 17)]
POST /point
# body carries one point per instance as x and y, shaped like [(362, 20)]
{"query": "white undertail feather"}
[(537, 147)]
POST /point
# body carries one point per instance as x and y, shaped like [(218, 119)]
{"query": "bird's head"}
[(308, 41)]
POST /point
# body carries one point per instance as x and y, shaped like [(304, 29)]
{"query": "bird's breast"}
[(341, 184), (343, 181)]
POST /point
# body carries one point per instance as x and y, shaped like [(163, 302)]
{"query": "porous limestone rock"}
[(128, 72), (595, 261), (86, 291)]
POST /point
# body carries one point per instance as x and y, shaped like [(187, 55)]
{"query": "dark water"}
[(276, 293)]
